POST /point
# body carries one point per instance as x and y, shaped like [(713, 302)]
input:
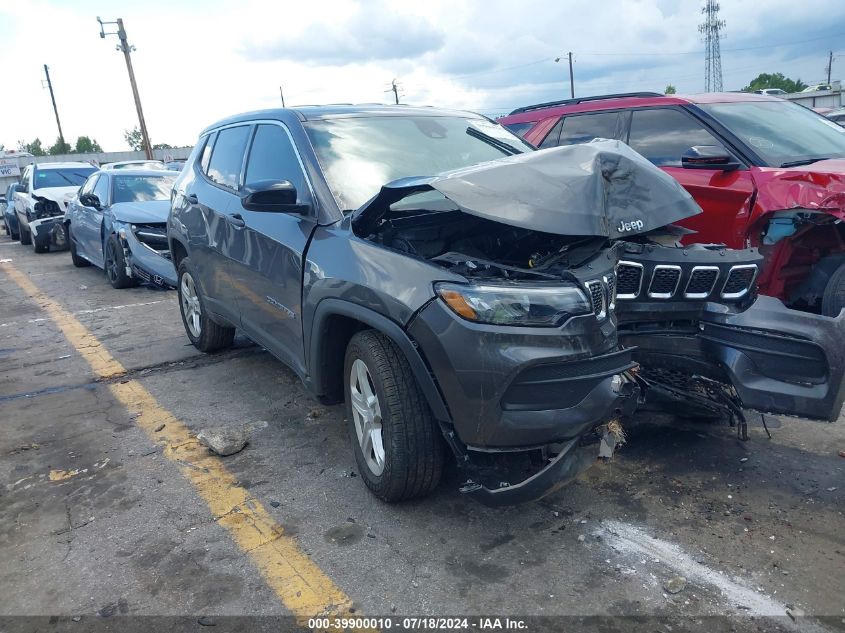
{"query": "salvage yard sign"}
[(9, 168)]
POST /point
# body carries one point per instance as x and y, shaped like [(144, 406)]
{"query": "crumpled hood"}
[(819, 186), (141, 212), (603, 188), (60, 195)]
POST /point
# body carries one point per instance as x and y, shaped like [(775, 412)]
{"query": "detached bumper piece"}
[(770, 358), (561, 470)]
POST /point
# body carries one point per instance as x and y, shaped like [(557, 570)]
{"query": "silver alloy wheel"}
[(190, 304), (366, 414)]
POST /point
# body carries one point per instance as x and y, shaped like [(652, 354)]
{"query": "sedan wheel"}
[(367, 416)]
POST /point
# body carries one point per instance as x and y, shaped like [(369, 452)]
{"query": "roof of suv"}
[(340, 110), (631, 100)]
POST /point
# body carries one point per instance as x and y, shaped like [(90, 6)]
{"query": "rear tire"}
[(206, 335), (26, 236), (78, 261), (833, 299), (397, 443), (114, 263)]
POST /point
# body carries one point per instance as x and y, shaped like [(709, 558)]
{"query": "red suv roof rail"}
[(549, 104)]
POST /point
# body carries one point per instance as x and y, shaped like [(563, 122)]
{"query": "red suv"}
[(767, 172)]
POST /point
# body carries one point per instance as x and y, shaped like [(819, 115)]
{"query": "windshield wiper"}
[(499, 144), (804, 161)]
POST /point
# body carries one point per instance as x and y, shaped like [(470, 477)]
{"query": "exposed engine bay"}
[(483, 249)]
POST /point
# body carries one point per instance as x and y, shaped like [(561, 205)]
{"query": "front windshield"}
[(142, 188), (781, 132), (360, 154), (69, 177)]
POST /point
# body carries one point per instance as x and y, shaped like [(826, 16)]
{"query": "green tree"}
[(162, 146), (775, 80), (60, 147), (33, 148), (134, 139), (670, 90), (86, 145)]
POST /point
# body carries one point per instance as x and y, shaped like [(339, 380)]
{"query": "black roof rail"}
[(549, 104)]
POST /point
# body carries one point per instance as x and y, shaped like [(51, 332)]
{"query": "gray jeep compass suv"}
[(465, 294)]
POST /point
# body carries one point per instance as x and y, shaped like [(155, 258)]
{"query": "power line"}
[(645, 54)]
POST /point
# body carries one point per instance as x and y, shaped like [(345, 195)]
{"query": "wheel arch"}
[(334, 323)]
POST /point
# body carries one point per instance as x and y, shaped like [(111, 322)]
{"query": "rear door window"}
[(662, 135), (272, 157), (227, 157), (583, 128)]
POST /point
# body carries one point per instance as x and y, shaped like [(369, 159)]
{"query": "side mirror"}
[(89, 200), (271, 196), (708, 157), (20, 188)]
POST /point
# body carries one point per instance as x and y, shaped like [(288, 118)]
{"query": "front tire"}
[(206, 335), (397, 443), (26, 236), (833, 299), (115, 265)]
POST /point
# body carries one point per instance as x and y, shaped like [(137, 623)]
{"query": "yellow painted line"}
[(298, 582)]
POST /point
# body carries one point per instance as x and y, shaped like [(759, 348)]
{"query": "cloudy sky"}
[(200, 60)]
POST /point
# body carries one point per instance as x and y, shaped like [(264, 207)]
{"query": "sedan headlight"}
[(544, 306)]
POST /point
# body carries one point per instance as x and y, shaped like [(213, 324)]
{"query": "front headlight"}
[(544, 306)]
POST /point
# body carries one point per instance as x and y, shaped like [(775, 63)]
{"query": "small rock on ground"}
[(676, 584), (228, 440)]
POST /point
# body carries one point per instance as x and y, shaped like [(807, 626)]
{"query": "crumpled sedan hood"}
[(141, 212), (819, 187), (60, 195), (603, 188)]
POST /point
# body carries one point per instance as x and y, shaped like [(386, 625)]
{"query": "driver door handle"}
[(237, 220)]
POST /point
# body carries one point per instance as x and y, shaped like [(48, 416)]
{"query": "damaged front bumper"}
[(49, 231), (144, 260)]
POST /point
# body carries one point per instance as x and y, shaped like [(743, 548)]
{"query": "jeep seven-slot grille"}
[(739, 281), (701, 282), (629, 278), (671, 281), (664, 281)]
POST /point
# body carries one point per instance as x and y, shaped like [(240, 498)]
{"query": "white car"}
[(771, 92), (817, 88), (42, 198), (134, 164), (837, 116)]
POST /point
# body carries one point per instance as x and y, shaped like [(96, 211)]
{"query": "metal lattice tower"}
[(710, 29)]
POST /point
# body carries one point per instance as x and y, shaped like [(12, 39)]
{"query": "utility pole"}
[(126, 49), (829, 67), (55, 109), (282, 95), (571, 75), (395, 91)]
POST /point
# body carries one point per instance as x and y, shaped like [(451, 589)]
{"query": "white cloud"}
[(198, 61)]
